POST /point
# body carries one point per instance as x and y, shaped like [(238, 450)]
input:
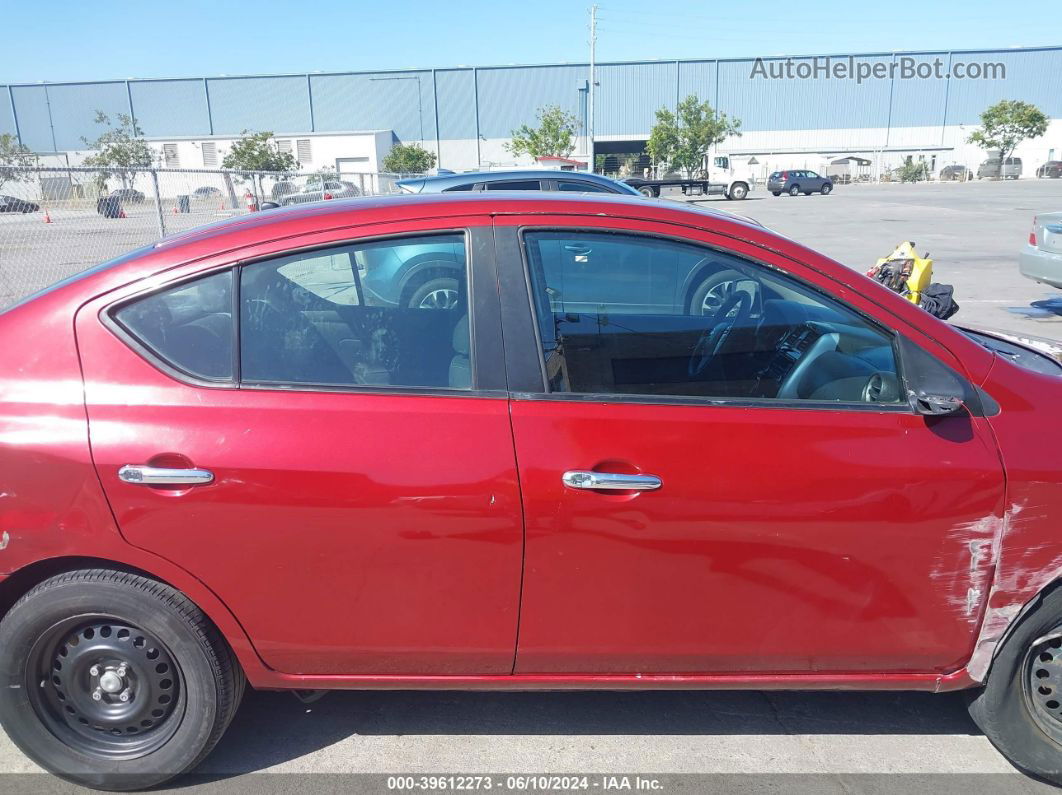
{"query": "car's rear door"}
[(732, 512), (358, 508)]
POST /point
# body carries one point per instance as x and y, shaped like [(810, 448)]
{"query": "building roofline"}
[(583, 64)]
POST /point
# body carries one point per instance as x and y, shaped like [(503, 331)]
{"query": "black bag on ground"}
[(938, 300)]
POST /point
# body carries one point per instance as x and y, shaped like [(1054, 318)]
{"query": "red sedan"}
[(508, 442)]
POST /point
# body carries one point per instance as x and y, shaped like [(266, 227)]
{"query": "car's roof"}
[(402, 206), (448, 180)]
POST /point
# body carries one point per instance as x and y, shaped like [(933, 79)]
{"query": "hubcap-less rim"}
[(105, 687), (1043, 684), (714, 298), (444, 298)]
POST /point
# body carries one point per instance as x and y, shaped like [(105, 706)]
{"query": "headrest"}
[(460, 338)]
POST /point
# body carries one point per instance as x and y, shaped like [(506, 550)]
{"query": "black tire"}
[(1004, 709), (826, 189), (649, 191), (95, 617), (430, 294), (794, 190), (707, 297), (776, 192), (738, 191)]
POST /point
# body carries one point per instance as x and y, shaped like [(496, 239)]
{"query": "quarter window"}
[(188, 326), (381, 313), (582, 187), (626, 314)]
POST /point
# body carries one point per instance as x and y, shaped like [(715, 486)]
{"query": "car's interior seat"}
[(461, 363)]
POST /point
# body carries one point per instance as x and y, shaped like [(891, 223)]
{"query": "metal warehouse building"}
[(349, 120)]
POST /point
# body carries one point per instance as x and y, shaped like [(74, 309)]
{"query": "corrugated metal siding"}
[(7, 121), (698, 78), (278, 104), (457, 104), (1034, 76), (154, 103), (919, 102), (510, 97), (385, 101), (628, 96), (31, 105), (797, 104), (74, 110)]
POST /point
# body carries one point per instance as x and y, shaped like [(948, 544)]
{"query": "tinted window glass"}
[(515, 184), (582, 187), (469, 186), (622, 314), (188, 326), (383, 313)]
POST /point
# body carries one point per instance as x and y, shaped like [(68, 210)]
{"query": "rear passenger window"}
[(515, 184), (188, 326), (382, 313)]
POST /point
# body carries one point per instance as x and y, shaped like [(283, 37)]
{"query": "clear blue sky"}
[(63, 40)]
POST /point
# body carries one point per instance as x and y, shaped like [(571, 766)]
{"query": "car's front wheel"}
[(437, 293), (826, 188), (114, 681), (1020, 708)]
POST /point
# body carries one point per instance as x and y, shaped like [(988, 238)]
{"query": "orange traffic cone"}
[(47, 217)]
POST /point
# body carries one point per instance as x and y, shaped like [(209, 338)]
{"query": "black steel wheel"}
[(1020, 707), (114, 681), (104, 686), (1043, 684)]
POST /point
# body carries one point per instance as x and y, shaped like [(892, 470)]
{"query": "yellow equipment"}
[(904, 272)]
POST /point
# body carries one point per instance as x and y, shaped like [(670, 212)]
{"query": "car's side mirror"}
[(934, 405)]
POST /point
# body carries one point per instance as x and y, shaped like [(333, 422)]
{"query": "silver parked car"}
[(313, 192), (1041, 259)]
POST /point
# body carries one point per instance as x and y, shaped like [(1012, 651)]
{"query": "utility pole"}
[(590, 98)]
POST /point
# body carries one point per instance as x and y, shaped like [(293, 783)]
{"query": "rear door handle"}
[(164, 476), (579, 479)]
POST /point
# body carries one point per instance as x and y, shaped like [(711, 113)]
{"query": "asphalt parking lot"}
[(844, 742), (973, 231)]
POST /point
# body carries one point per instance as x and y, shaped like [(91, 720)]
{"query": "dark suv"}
[(798, 181)]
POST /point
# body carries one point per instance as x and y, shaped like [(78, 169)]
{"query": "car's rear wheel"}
[(114, 681), (825, 189), (1020, 708), (649, 191), (794, 190), (776, 192)]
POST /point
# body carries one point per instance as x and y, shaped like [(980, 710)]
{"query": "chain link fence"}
[(55, 222)]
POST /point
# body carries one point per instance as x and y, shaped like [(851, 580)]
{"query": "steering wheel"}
[(713, 340)]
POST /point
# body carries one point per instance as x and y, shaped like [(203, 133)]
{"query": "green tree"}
[(409, 159), (554, 135), (1006, 124), (682, 140), (258, 151), (122, 149), (16, 161)]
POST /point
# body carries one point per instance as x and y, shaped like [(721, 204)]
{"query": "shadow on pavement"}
[(272, 728)]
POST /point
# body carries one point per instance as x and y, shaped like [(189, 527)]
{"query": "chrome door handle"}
[(578, 479), (163, 476)]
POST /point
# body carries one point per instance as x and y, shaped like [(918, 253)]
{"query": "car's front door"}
[(748, 492), (359, 510)]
